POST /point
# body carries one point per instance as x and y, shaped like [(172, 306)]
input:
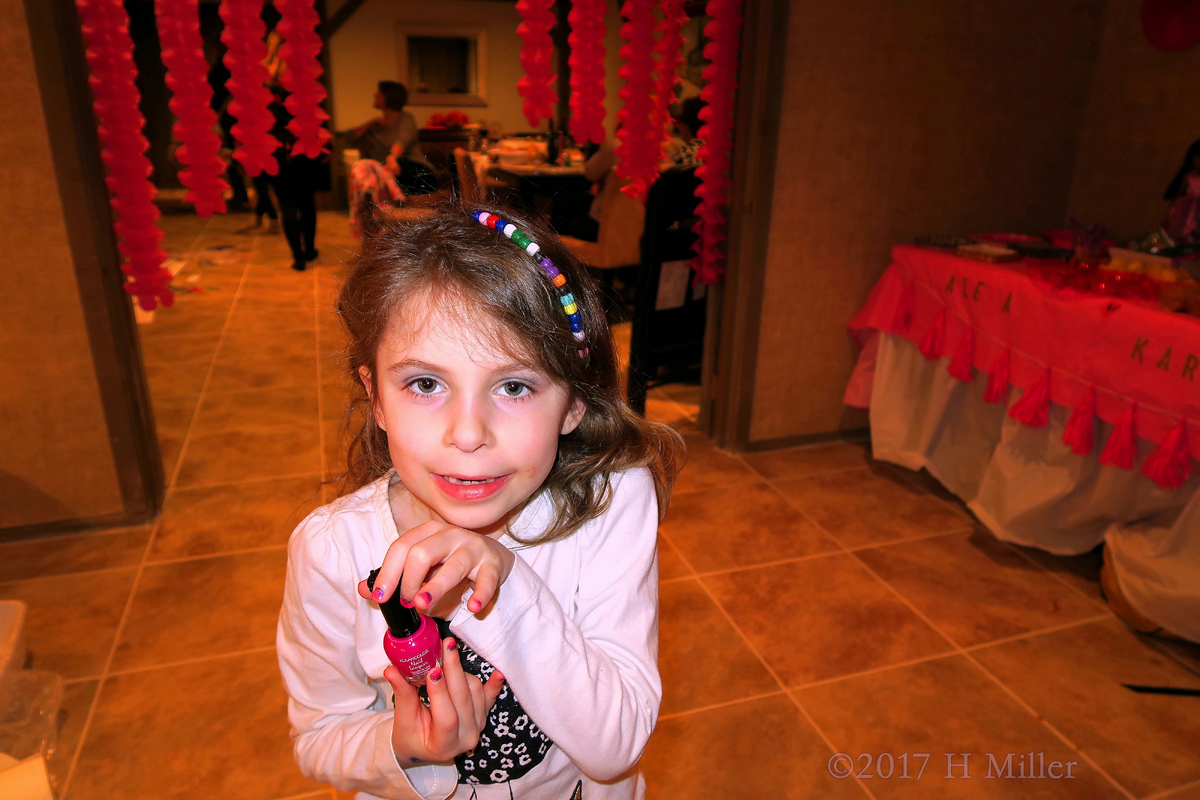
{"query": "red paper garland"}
[(637, 144), (123, 149), (243, 35), (587, 70), (537, 51), (724, 30), (300, 51), (191, 98), (669, 46)]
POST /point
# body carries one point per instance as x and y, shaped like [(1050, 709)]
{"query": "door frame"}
[(735, 306)]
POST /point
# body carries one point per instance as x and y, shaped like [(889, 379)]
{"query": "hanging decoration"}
[(191, 98), (1033, 408), (301, 77), (1081, 427), (1171, 462), (537, 52), (243, 35), (935, 337), (1121, 449), (723, 30), (637, 143), (962, 365), (115, 99), (997, 388), (587, 70), (669, 49)]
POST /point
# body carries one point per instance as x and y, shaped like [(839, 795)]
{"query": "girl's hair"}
[(452, 262)]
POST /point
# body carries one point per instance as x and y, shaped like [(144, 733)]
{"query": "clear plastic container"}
[(29, 706)]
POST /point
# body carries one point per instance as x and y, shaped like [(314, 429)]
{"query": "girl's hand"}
[(457, 554), (458, 709)]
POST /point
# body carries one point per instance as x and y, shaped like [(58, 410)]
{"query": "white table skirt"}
[(1028, 487)]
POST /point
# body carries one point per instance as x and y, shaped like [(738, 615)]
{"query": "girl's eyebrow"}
[(425, 366), (412, 363)]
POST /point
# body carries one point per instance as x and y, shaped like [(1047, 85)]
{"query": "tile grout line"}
[(770, 671), (725, 704), (966, 655), (1019, 551), (809, 557), (317, 368), (188, 661), (1166, 793), (112, 651)]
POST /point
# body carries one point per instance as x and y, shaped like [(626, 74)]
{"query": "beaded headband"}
[(557, 279)]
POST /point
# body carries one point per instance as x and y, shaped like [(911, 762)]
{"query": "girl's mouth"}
[(466, 488)]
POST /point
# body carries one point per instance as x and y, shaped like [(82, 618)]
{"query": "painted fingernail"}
[(474, 605), (426, 598), (451, 645), (406, 603), (379, 594), (435, 674)]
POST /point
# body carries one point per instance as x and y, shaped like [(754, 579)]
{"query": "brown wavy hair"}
[(450, 260)]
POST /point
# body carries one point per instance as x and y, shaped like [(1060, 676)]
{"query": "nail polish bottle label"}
[(415, 656)]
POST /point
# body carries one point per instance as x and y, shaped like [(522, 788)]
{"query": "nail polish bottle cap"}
[(402, 622)]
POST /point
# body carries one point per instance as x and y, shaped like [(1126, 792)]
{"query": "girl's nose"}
[(467, 429)]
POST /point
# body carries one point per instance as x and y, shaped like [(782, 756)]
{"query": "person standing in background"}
[(295, 187)]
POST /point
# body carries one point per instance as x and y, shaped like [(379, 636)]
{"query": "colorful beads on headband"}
[(557, 279)]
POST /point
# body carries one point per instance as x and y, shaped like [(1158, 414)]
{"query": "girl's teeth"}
[(467, 483)]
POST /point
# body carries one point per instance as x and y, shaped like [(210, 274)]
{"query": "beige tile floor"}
[(813, 601)]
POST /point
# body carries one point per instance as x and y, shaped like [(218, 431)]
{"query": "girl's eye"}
[(425, 385), (514, 389)]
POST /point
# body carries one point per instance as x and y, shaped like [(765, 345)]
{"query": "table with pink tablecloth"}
[(1062, 418)]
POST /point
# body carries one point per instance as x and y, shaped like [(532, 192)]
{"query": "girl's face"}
[(472, 433)]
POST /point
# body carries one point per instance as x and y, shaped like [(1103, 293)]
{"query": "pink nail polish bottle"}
[(412, 641)]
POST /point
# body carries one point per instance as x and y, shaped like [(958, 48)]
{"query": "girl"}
[(502, 485)]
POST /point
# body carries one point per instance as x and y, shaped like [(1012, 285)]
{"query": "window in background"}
[(441, 66)]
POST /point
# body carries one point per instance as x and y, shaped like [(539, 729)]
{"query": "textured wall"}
[(1142, 116), (55, 461), (901, 119)]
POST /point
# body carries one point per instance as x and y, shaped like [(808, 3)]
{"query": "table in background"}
[(1023, 482)]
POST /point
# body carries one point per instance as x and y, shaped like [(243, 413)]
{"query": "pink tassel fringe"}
[(931, 345), (1033, 409), (904, 312), (997, 388), (1171, 461), (1081, 427), (1122, 444), (961, 366)]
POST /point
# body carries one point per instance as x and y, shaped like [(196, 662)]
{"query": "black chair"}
[(666, 345)]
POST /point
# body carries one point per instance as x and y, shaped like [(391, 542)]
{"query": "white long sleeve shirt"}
[(574, 630)]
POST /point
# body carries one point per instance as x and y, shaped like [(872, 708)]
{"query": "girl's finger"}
[(451, 573), (424, 556), (456, 685), (478, 702), (443, 729), (487, 580), (409, 710), (364, 591), (492, 689), (393, 562)]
